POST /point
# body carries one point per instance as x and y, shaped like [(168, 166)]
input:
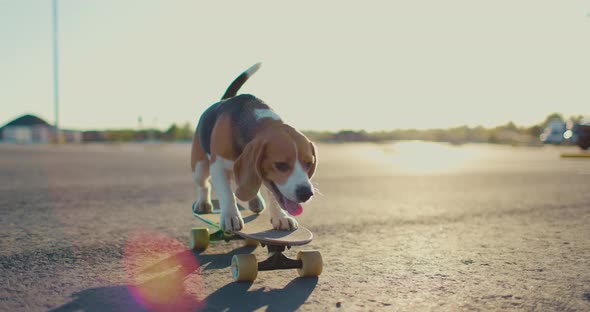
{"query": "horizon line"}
[(180, 124)]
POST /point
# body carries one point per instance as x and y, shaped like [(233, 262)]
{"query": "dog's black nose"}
[(303, 193)]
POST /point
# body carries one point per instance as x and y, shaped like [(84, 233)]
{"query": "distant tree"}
[(534, 131), (124, 135), (553, 116), (576, 119), (175, 133), (493, 137), (171, 133), (511, 126), (186, 132)]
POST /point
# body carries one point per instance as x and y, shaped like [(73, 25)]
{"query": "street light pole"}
[(55, 75)]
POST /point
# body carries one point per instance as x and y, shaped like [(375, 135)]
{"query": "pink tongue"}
[(292, 208)]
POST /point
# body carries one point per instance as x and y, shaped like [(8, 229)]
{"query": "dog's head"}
[(283, 160)]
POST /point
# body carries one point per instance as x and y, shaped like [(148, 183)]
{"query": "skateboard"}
[(258, 230)]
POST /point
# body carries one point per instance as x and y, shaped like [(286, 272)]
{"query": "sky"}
[(327, 65)]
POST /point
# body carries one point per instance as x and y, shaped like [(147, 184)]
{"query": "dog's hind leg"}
[(200, 169), (201, 177), (257, 205)]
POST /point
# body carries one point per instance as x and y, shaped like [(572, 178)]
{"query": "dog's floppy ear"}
[(247, 170), (315, 162)]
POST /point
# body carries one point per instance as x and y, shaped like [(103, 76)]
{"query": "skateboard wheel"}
[(251, 242), (244, 268), (199, 238), (311, 263)]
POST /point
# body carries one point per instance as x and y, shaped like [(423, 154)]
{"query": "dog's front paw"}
[(202, 207), (284, 223), (232, 221)]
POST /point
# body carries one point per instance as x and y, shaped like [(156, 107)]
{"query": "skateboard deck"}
[(257, 227)]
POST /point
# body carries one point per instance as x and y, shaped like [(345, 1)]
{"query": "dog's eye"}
[(282, 166), (308, 165)]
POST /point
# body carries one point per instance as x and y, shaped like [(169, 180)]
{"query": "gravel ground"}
[(407, 226)]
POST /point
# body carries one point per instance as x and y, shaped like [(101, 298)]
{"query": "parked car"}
[(583, 134), (553, 133), (570, 135)]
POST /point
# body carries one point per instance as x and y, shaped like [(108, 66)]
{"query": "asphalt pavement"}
[(402, 226)]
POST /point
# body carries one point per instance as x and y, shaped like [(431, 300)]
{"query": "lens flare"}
[(162, 273)]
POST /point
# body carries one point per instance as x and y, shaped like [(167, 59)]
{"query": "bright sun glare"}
[(417, 158)]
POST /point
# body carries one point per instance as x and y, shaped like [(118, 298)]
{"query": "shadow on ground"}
[(115, 298), (231, 297), (236, 297)]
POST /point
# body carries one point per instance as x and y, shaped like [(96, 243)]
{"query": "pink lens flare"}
[(162, 273)]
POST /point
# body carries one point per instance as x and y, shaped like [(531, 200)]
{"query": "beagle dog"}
[(241, 137)]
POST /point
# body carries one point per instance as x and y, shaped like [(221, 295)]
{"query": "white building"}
[(29, 129), (26, 134)]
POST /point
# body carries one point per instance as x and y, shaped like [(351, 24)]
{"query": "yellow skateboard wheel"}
[(199, 239), (312, 263), (251, 242), (244, 268)]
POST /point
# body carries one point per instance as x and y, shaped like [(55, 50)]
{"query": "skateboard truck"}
[(278, 261)]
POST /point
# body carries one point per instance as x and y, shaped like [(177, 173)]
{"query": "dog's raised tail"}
[(235, 86)]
